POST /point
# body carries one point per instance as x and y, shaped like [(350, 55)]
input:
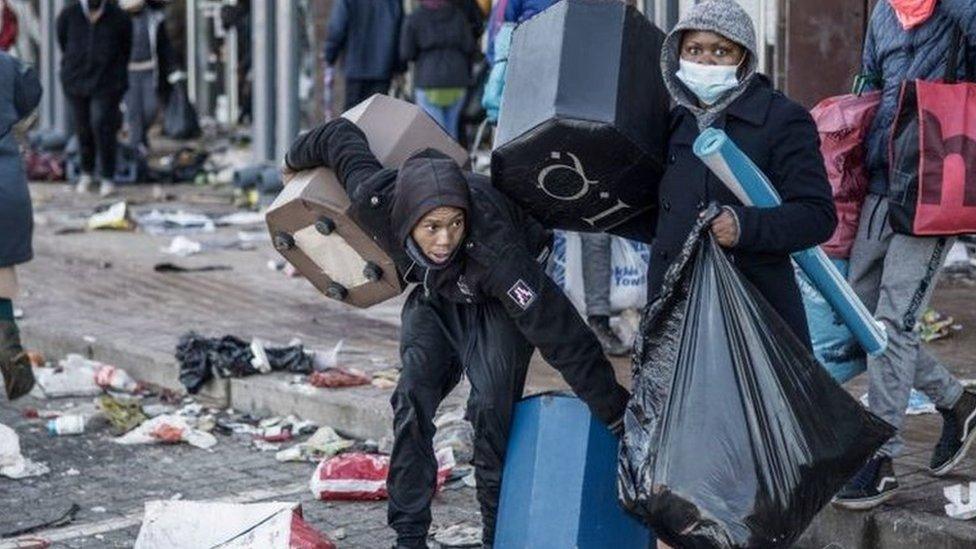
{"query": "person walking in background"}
[(597, 259), (437, 38), (895, 274), (151, 62), (95, 37), (367, 32), (20, 92)]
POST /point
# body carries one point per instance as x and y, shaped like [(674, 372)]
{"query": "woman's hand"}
[(725, 227)]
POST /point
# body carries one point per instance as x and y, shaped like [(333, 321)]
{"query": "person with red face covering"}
[(8, 26), (894, 274)]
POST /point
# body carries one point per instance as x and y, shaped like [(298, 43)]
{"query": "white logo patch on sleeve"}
[(522, 294)]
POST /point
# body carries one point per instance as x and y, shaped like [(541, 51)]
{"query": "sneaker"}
[(958, 433), (84, 184), (107, 188), (604, 334), (873, 485)]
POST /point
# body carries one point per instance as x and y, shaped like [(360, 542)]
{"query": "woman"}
[(437, 38), (709, 65), (20, 92)]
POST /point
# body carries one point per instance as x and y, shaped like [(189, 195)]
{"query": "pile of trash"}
[(204, 358)]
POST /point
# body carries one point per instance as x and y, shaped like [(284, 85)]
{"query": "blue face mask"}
[(708, 82)]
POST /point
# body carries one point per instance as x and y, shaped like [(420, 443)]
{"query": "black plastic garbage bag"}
[(735, 435), (180, 118), (201, 358)]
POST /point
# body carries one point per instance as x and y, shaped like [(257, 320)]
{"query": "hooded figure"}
[(709, 67), (483, 304), (20, 92)]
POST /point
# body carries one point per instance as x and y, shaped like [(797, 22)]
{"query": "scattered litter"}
[(12, 463), (459, 535), (455, 432), (68, 424), (18, 314), (470, 481), (176, 497), (123, 416), (153, 410), (324, 444), (275, 525), (183, 247), (386, 379), (173, 223), (339, 377), (241, 218), (251, 237), (174, 268), (277, 433), (918, 404), (170, 429), (338, 534), (362, 477), (323, 360), (74, 376), (201, 358), (114, 378), (63, 520), (114, 217), (72, 472), (962, 506), (265, 446), (933, 326), (99, 509)]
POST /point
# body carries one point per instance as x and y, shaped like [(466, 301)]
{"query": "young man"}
[(895, 274), (95, 37), (483, 304)]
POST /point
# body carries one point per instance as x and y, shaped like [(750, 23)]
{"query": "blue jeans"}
[(448, 117)]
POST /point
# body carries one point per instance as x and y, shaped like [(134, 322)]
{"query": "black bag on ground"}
[(180, 119), (201, 358), (735, 436)]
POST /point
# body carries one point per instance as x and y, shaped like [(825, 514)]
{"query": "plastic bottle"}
[(67, 425), (110, 377)]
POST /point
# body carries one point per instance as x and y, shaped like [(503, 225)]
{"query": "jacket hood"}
[(427, 180), (725, 17)]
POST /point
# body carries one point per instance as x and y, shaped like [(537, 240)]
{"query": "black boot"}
[(958, 433), (608, 340), (15, 366)]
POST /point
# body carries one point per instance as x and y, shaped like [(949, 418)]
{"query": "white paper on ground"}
[(168, 524)]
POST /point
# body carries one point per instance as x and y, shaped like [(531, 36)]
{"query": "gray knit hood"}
[(725, 17)]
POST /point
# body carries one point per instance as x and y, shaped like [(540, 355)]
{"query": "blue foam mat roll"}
[(752, 188)]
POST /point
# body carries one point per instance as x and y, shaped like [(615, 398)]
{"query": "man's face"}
[(439, 233)]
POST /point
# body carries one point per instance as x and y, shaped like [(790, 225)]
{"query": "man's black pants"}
[(96, 122), (440, 340), (358, 90)]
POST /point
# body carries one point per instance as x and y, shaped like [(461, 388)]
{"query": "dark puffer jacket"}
[(895, 55), (367, 31), (501, 258), (440, 44), (94, 57)]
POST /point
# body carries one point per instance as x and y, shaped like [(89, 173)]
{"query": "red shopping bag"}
[(843, 123), (932, 156)]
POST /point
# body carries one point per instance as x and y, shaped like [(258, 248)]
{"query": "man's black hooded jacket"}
[(502, 256)]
